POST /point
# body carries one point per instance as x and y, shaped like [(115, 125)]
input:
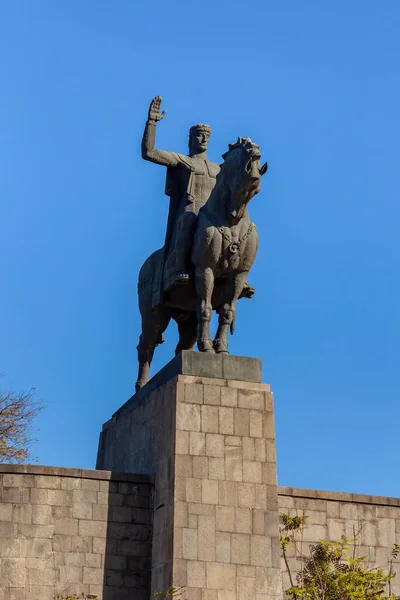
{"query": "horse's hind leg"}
[(154, 323), (187, 329)]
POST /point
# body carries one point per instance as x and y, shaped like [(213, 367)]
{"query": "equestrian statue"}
[(210, 243)]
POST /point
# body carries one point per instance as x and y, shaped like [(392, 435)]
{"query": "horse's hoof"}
[(220, 346), (205, 346), (139, 386)]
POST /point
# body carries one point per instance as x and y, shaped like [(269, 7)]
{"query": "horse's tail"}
[(149, 280)]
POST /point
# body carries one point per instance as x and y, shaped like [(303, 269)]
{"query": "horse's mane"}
[(245, 144)]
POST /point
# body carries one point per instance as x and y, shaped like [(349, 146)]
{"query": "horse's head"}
[(241, 174)]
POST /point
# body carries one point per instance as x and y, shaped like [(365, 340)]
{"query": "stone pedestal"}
[(204, 427)]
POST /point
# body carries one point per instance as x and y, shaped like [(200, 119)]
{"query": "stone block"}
[(18, 481), (189, 544), (246, 588), (233, 440), (241, 422), (91, 575), (248, 448), (202, 509), (209, 492), (92, 528), (251, 399), (270, 449), (90, 484), (225, 595), (243, 520), (42, 514), (206, 538), (222, 547), (225, 518), (197, 443), (6, 511), (40, 548), (82, 543), (252, 471), (62, 512), (256, 423), (260, 551), (180, 489), (209, 595), (194, 393), (228, 493), (48, 482), (59, 497), (196, 574), (14, 494), (181, 514), (216, 468), (99, 512), (229, 397), (193, 490), (225, 415), (182, 442), (269, 474), (258, 525), (240, 548), (71, 483), (268, 425), (33, 531), (233, 463), (22, 513), (212, 395), (246, 494), (210, 419), (12, 572), (215, 446), (199, 467), (188, 417), (41, 576), (66, 526), (221, 576), (193, 521)]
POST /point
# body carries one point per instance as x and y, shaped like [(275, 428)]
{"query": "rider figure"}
[(190, 180)]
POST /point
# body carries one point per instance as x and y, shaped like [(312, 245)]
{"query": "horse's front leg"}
[(204, 290), (226, 312)]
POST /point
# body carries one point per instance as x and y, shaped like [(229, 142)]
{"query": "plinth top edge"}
[(202, 364)]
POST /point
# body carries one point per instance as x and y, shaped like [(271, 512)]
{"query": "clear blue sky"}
[(317, 85)]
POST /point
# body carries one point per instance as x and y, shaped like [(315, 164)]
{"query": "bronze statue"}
[(210, 243)]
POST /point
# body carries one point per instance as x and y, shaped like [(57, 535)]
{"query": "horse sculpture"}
[(224, 249)]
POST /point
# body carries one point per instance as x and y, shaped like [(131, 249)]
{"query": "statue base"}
[(204, 427)]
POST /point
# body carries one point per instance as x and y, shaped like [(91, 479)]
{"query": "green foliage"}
[(172, 592), (332, 571), (290, 525)]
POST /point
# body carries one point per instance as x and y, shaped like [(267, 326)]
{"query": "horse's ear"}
[(264, 169)]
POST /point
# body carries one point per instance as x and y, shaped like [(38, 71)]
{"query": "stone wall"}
[(72, 530), (373, 520)]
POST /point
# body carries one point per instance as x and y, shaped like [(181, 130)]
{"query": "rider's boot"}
[(183, 247)]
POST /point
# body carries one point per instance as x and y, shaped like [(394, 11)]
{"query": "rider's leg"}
[(183, 245)]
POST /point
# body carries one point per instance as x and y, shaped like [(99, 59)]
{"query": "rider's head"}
[(198, 138)]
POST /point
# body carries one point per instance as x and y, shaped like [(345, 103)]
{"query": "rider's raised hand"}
[(154, 110)]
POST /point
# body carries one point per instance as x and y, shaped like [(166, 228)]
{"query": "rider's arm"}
[(149, 152)]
